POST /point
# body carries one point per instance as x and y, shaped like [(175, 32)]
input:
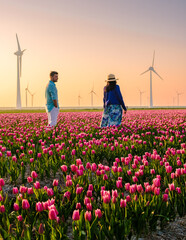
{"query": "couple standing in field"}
[(112, 102)]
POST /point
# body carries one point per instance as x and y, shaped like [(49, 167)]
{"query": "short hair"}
[(52, 73)]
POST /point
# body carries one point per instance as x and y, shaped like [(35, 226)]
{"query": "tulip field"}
[(80, 181)]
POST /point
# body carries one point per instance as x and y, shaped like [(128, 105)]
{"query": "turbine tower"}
[(27, 91), (140, 96), (151, 69), (32, 94), (178, 94), (19, 54), (92, 93), (79, 97)]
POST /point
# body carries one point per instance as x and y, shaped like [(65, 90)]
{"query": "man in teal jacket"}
[(51, 96)]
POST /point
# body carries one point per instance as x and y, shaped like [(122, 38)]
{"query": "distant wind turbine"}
[(32, 94), (151, 69), (141, 96), (92, 93), (79, 97), (19, 54), (27, 91), (178, 94)]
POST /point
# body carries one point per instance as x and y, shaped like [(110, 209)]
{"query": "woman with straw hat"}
[(113, 103)]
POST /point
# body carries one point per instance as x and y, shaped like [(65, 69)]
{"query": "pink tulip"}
[(171, 187), (34, 174), (128, 198), (135, 179), (8, 153), (89, 193), (156, 182), (90, 187), (139, 188), (15, 190), (69, 183), (152, 171), (64, 168), (178, 190), (67, 195), (16, 207), (30, 191), (79, 190), (75, 215), (39, 207), (37, 185), (25, 204), (50, 192), (23, 189), (55, 182), (132, 188), (78, 162), (88, 165), (73, 152), (20, 218), (119, 184), (156, 191), (86, 200), (127, 186), (62, 157), (14, 159), (93, 167), (89, 206), (52, 214), (114, 193), (165, 197), (98, 213), (78, 205), (105, 177), (2, 183), (123, 203), (29, 179), (106, 197), (88, 216)]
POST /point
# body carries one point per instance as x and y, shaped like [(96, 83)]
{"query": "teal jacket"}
[(50, 95)]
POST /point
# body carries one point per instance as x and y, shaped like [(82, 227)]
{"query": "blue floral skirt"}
[(112, 115)]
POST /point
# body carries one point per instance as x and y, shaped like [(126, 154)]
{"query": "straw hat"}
[(111, 78)]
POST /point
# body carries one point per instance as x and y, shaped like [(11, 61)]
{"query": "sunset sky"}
[(86, 40)]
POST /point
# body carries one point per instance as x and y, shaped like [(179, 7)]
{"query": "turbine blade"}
[(144, 72), (18, 43), (29, 91), (153, 59), (157, 74)]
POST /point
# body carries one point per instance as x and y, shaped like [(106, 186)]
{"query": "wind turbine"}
[(92, 93), (178, 94), (151, 69), (19, 54), (32, 94), (79, 97), (141, 95), (27, 90)]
